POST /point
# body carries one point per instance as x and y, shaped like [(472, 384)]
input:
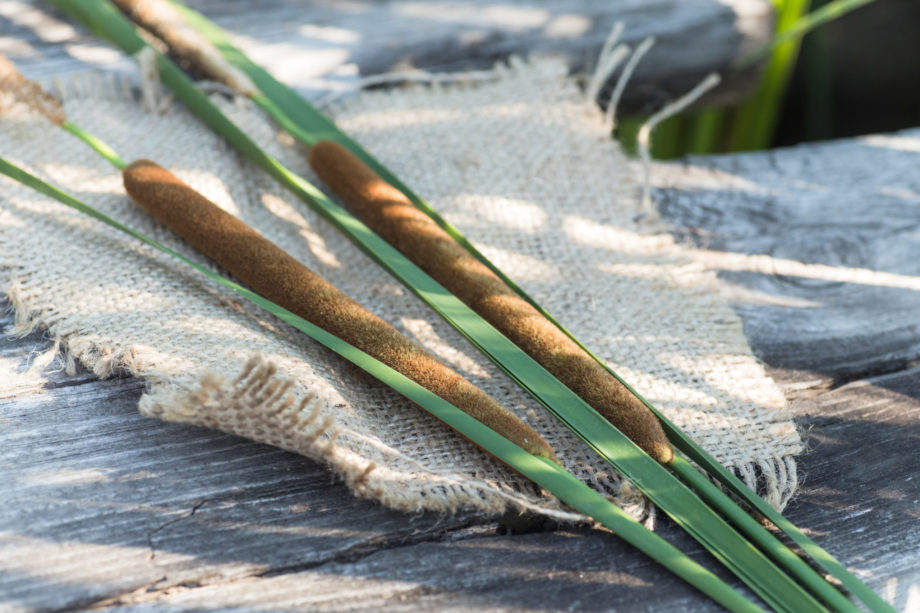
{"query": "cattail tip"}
[(30, 93)]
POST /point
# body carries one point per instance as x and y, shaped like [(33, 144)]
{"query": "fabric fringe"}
[(260, 398)]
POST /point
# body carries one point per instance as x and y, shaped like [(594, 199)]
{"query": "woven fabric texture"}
[(520, 163)]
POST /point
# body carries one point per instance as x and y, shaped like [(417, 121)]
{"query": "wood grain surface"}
[(318, 46), (816, 248), (818, 245)]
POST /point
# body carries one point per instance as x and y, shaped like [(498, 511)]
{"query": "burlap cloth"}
[(520, 163)]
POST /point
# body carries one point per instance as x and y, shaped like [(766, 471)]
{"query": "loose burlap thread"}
[(520, 163)]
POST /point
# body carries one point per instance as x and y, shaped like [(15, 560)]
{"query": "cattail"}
[(390, 214), (20, 89), (276, 275), (162, 19)]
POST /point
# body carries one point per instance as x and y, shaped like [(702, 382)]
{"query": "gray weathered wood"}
[(870, 525), (860, 494), (301, 41), (102, 508), (849, 211)]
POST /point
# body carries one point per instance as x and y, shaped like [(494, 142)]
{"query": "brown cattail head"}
[(391, 215), (160, 18), (20, 89), (274, 274)]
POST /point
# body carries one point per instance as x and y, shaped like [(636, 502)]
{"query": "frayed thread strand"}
[(607, 61), (643, 139), (628, 70)]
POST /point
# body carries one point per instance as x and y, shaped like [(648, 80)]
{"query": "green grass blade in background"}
[(825, 13), (754, 122), (548, 475), (704, 131)]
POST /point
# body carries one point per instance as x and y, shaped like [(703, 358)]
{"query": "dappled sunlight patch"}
[(592, 233), (513, 213), (504, 15), (66, 476), (899, 142), (772, 266)]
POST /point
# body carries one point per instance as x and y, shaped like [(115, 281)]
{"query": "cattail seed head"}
[(391, 215), (277, 276)]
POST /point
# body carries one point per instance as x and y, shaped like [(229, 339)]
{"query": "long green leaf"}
[(754, 121), (312, 126), (804, 24), (548, 475), (96, 145), (748, 563)]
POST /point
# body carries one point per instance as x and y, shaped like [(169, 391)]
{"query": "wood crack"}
[(164, 525), (887, 369), (361, 551)]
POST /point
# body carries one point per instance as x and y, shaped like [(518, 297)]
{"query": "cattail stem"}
[(276, 275), (390, 214), (96, 144)]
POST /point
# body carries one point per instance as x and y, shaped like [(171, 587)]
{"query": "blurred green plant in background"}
[(752, 124)]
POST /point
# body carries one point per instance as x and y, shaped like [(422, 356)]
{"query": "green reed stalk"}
[(96, 145)]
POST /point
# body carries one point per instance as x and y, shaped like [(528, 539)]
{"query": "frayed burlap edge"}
[(259, 399), (259, 392)]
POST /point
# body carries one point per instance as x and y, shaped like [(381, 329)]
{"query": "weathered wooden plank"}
[(576, 570), (859, 501), (28, 365), (817, 246), (860, 493), (301, 41)]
